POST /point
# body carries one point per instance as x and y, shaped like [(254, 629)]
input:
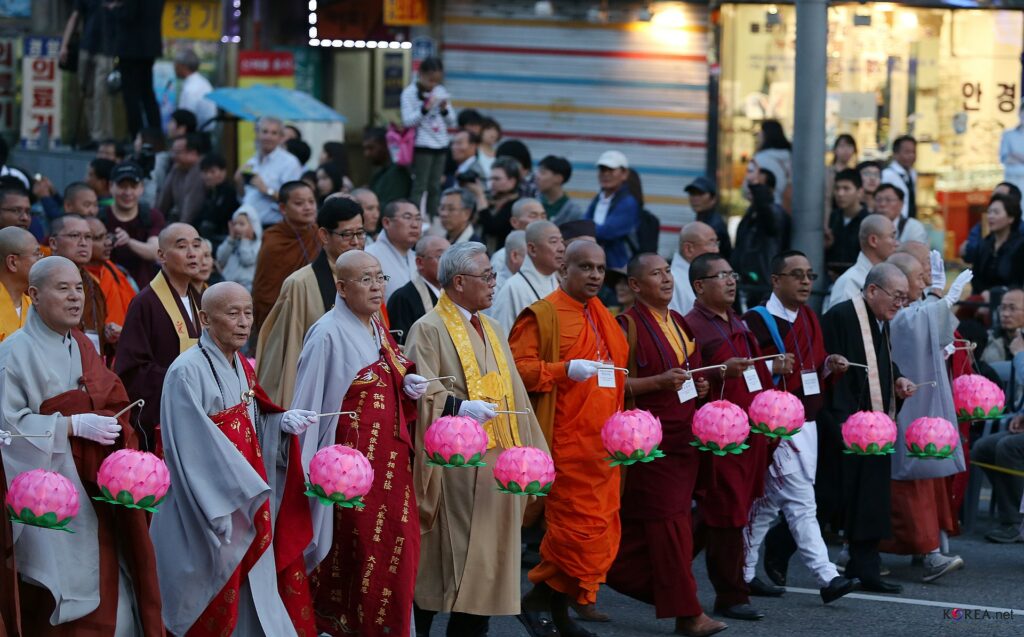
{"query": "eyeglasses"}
[(721, 276), (348, 235), (21, 212), (899, 299), (800, 275), (368, 281), (105, 237), (77, 237), (489, 277)]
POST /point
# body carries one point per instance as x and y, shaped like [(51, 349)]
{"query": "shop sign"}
[(263, 68), (423, 47), (192, 20), (405, 13), (41, 90), (8, 84)]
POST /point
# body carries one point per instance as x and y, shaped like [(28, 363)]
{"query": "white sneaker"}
[(936, 565)]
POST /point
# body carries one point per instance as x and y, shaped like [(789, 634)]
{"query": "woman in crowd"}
[(1000, 259)]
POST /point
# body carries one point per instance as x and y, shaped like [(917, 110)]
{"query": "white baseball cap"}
[(612, 159)]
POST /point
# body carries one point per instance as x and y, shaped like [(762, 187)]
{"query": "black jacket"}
[(1003, 267), (137, 29)]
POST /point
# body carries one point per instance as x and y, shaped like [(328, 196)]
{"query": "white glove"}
[(580, 369), (297, 421), (101, 429), (5, 438), (414, 386), (222, 527), (938, 270), (479, 410), (957, 288)]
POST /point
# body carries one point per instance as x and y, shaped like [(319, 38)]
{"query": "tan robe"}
[(470, 533)]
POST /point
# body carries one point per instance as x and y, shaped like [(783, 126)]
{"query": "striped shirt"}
[(431, 128)]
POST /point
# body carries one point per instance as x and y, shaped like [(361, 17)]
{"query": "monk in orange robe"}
[(572, 355), (286, 247), (116, 288)]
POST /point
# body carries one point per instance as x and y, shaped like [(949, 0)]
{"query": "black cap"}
[(578, 228), (126, 170), (701, 184)]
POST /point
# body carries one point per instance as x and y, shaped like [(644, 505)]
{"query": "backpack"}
[(647, 232), (401, 144)]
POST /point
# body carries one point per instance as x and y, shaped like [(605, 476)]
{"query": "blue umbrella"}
[(253, 102)]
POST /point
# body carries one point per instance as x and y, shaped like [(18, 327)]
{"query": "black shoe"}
[(776, 570), (742, 611), (880, 586), (537, 625), (838, 587), (761, 589)]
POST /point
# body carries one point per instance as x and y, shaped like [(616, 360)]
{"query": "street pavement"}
[(991, 579)]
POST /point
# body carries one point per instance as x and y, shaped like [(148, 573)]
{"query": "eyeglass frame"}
[(721, 276), (905, 298), (352, 234), (490, 277), (368, 280)]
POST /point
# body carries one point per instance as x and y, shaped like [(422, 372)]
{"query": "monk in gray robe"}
[(54, 388), (469, 532), (351, 363), (222, 553)]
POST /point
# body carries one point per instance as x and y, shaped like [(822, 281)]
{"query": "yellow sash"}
[(874, 380), (494, 387), (168, 300)]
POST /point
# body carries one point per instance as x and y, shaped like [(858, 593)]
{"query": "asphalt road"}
[(993, 578)]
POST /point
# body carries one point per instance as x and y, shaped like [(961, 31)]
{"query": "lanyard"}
[(796, 341), (600, 341), (302, 244), (728, 340)]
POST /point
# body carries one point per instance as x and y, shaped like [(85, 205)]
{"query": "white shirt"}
[(501, 270), (682, 296), (188, 307), (194, 89), (601, 210), (850, 283), (393, 263), (274, 169), (1011, 155), (430, 286), (523, 289), (896, 175), (913, 230)]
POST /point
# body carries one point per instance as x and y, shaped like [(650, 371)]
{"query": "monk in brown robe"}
[(286, 247), (572, 355), (71, 238)]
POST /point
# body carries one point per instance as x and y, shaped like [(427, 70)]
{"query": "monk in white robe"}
[(98, 580), (226, 562), (537, 278), (470, 533)]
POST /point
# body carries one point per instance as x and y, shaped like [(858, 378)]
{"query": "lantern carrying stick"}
[(704, 369), (857, 365), (618, 369), (354, 414), (400, 333), (770, 356), (45, 434), (521, 413), (138, 403), (930, 382)]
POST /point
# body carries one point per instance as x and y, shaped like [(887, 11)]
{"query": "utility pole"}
[(809, 136)]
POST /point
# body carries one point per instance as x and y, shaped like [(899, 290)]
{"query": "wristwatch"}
[(271, 193)]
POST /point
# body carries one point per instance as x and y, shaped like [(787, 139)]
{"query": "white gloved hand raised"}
[(580, 369), (297, 421), (414, 386), (938, 267), (222, 527), (101, 429), (957, 288), (5, 438), (479, 410)]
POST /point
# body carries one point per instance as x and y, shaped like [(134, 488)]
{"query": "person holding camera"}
[(426, 106)]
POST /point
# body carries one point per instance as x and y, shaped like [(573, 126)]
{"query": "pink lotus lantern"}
[(455, 441), (776, 414), (632, 436), (721, 428), (339, 475), (42, 498), (977, 398), (932, 438), (132, 478), (869, 433), (524, 471)]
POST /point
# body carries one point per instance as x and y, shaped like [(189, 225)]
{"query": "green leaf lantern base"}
[(979, 414), (335, 499), (148, 503), (732, 447), (779, 432), (619, 458), (873, 449), (534, 488), (457, 460), (930, 451), (45, 521)]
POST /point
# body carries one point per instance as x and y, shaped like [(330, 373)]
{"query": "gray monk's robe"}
[(210, 479), (469, 532)]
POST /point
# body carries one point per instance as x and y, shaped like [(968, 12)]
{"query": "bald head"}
[(583, 270), (55, 286), (912, 269), (174, 232), (877, 237), (697, 238), (538, 230), (583, 251), (360, 285), (430, 243), (16, 241), (886, 290), (221, 295), (353, 263), (919, 251), (226, 316)]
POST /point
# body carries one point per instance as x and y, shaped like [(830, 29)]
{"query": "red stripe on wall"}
[(629, 55), (607, 139)]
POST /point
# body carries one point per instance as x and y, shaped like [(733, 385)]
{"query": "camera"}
[(146, 159), (468, 177)]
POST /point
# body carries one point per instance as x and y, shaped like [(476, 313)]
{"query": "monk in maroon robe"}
[(728, 485)]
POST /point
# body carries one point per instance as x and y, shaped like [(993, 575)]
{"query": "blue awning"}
[(253, 102)]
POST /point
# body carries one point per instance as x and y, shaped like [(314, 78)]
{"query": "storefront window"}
[(950, 78)]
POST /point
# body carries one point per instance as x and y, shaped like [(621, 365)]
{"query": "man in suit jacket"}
[(417, 297)]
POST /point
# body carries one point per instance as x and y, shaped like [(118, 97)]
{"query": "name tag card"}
[(809, 380), (753, 381), (606, 377), (688, 391)]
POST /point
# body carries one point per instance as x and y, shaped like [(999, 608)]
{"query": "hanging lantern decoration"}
[(524, 471), (42, 498), (869, 433), (721, 427), (132, 478), (339, 475), (455, 441), (932, 438), (977, 398), (776, 414), (632, 436)]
